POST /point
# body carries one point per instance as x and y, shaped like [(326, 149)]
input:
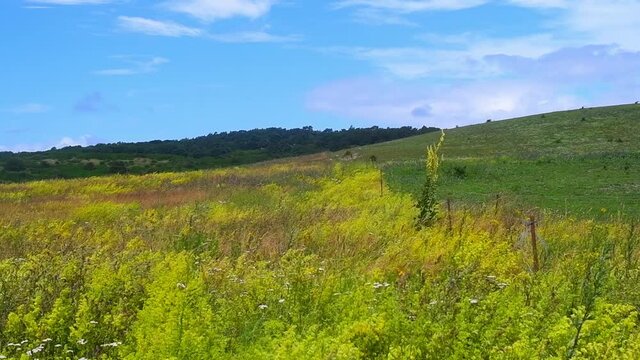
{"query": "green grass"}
[(584, 162)]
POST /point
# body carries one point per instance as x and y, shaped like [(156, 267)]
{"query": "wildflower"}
[(113, 344), (262, 306), (93, 322), (57, 345), (378, 285), (473, 301), (82, 341), (281, 301), (321, 269), (69, 351), (46, 340), (2, 357), (181, 286)]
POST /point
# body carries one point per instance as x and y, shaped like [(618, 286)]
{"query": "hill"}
[(584, 161), (204, 152)]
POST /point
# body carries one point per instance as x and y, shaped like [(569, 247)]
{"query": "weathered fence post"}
[(450, 226), (534, 243)]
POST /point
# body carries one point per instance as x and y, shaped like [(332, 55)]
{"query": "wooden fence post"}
[(534, 243), (450, 227)]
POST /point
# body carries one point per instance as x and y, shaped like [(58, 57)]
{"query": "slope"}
[(584, 162)]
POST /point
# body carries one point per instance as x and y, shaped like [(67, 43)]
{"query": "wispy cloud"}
[(408, 6), (253, 37), (156, 27), (83, 140), (135, 65), (70, 2), (172, 29), (29, 108), (210, 10)]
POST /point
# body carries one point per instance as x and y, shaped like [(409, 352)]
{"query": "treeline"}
[(210, 151)]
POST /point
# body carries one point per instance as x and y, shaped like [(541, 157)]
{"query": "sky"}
[(81, 72)]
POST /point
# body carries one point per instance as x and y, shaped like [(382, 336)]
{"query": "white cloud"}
[(407, 6), (563, 79), (210, 10), (29, 108), (156, 27), (135, 65), (253, 37), (395, 103), (172, 29), (70, 2), (84, 140), (541, 3)]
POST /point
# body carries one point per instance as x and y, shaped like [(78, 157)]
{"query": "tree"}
[(14, 165)]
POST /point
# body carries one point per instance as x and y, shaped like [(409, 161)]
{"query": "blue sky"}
[(78, 72)]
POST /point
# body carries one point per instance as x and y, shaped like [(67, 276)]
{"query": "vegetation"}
[(308, 258), (301, 259), (553, 161), (427, 202), (211, 151)]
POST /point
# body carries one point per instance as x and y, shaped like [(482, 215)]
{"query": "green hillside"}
[(585, 161)]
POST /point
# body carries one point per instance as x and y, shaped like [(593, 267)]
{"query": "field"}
[(583, 162), (319, 257), (301, 259)]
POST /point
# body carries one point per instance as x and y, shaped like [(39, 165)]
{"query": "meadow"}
[(303, 259)]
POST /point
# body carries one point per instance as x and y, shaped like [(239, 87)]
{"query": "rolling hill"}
[(584, 161)]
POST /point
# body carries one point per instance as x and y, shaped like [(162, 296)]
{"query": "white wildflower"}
[(321, 269), (82, 341), (378, 285), (2, 357), (262, 306), (57, 345), (181, 286), (281, 301), (473, 301), (113, 344), (47, 340), (93, 322)]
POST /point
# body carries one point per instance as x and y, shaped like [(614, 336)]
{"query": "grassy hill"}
[(584, 161)]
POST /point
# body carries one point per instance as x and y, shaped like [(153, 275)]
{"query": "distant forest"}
[(210, 151)]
